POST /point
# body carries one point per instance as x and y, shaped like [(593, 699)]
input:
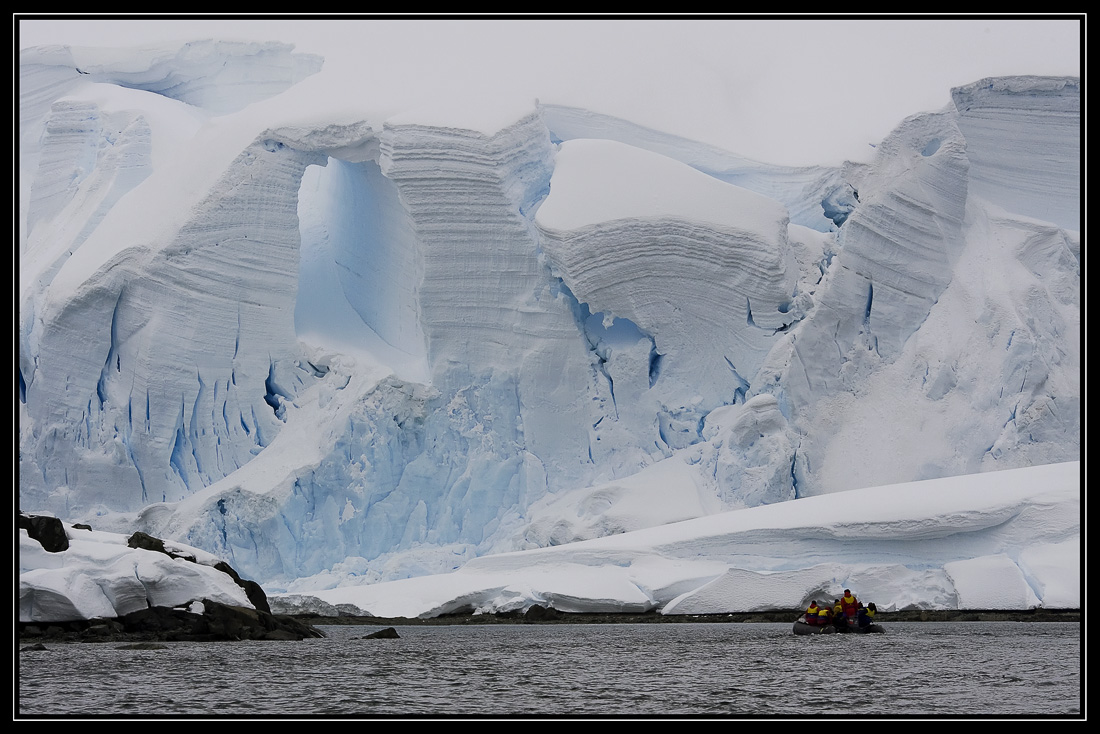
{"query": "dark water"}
[(701, 670)]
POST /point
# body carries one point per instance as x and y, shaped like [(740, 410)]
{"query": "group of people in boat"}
[(843, 613)]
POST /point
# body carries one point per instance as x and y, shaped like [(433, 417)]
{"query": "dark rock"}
[(218, 622), (49, 531), (101, 630), (81, 526), (229, 570), (143, 646), (34, 647), (255, 594), (252, 590), (538, 613), (148, 542), (235, 623), (241, 623), (163, 620), (389, 633)]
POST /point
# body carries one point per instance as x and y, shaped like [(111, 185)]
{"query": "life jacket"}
[(849, 604), (823, 616)]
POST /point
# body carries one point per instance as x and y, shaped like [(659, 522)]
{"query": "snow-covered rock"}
[(102, 576)]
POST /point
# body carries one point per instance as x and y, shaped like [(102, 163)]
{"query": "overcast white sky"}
[(787, 90)]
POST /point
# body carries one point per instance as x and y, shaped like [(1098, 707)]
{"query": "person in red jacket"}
[(811, 613), (848, 602)]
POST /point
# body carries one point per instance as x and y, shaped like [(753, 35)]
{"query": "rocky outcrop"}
[(205, 621), (215, 622), (195, 616), (539, 613), (255, 593), (49, 531)]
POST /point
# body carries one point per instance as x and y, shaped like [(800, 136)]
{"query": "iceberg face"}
[(333, 348), (1023, 138), (707, 276), (187, 386), (359, 266)]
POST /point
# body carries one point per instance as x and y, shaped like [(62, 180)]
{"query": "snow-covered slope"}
[(999, 540), (318, 338)]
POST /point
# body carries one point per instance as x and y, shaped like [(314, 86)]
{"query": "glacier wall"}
[(173, 342), (1024, 144), (344, 347)]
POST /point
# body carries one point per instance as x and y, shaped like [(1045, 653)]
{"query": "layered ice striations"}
[(360, 267), (193, 349), (918, 248), (896, 251), (376, 350), (1023, 138), (708, 277)]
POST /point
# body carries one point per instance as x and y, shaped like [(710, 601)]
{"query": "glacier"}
[(338, 345)]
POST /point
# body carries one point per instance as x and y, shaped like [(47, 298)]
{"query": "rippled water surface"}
[(985, 669)]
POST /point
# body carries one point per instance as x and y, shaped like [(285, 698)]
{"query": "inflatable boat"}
[(801, 628)]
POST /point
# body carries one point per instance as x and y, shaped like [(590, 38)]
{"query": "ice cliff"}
[(345, 342)]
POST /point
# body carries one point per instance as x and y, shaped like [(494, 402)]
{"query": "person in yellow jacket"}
[(825, 615), (839, 620), (811, 612)]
